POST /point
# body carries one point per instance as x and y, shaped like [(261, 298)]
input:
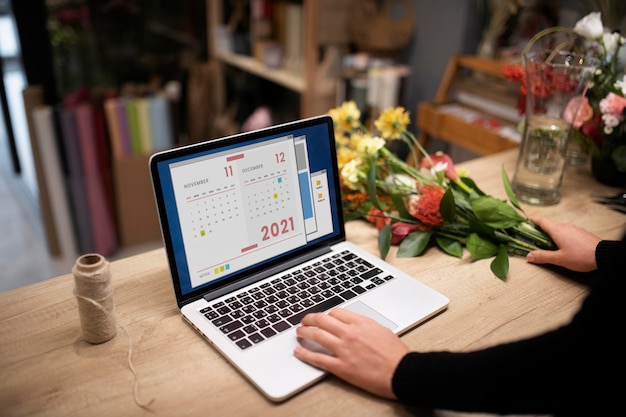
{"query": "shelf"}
[(281, 77)]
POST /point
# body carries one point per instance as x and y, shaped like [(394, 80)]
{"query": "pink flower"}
[(401, 230), (614, 105), (585, 111), (441, 158)]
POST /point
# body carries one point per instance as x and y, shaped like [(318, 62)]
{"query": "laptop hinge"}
[(266, 273)]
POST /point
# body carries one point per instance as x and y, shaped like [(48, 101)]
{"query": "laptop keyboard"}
[(257, 314)]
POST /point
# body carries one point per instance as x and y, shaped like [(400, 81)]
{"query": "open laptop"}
[(254, 233)]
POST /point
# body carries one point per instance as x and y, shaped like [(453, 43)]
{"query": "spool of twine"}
[(94, 293)]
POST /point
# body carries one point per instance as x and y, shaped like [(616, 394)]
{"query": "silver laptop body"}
[(254, 233)]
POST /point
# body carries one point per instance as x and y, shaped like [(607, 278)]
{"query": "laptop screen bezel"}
[(165, 158)]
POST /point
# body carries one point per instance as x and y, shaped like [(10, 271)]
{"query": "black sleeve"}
[(605, 250), (569, 370)]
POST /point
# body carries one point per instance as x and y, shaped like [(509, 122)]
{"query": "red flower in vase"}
[(599, 129)]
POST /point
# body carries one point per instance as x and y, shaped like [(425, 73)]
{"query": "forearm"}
[(605, 250), (548, 373)]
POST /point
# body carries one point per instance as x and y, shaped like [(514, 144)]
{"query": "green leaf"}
[(470, 183), (398, 203), (500, 265), (413, 244), (509, 190), (384, 241), (371, 186), (447, 208), (480, 248), (495, 213), (450, 246)]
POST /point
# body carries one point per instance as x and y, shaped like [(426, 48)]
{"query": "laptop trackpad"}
[(360, 307), (357, 307)]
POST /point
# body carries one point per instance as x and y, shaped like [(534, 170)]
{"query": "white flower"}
[(611, 41), (370, 145), (610, 122), (350, 174), (401, 180), (621, 85), (439, 167), (590, 26)]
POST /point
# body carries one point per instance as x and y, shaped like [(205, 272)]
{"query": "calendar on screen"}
[(241, 206)]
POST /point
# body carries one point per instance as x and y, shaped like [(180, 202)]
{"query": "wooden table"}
[(46, 369)]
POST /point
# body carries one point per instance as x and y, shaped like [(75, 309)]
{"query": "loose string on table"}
[(130, 349)]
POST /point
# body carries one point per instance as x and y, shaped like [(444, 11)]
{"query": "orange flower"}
[(425, 206), (378, 218)]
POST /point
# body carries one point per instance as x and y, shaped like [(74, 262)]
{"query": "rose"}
[(440, 162), (401, 230), (613, 108), (585, 111)]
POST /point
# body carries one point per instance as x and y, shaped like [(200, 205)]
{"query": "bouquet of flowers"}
[(599, 126), (414, 206)]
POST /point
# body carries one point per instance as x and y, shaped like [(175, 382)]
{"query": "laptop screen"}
[(235, 207)]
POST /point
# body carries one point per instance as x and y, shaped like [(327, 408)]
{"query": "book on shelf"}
[(75, 179), (143, 125), (161, 129), (123, 125), (139, 125), (54, 181), (33, 97), (101, 218), (132, 112)]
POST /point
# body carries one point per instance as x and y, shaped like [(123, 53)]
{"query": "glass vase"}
[(554, 82)]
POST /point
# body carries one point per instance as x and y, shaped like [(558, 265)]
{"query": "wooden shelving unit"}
[(315, 83)]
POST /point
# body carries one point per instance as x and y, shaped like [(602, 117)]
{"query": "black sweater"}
[(576, 369)]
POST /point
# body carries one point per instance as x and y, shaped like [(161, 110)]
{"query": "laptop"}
[(254, 233)]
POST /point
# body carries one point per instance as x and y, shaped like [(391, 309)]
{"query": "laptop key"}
[(243, 344), (256, 338), (236, 335), (323, 306), (229, 327), (358, 289), (222, 320), (268, 332), (371, 273), (347, 294), (281, 326)]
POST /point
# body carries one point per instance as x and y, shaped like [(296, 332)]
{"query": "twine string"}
[(130, 348)]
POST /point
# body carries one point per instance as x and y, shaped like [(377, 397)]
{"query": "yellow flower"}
[(341, 139), (345, 155), (347, 116), (350, 174), (392, 122), (370, 145)]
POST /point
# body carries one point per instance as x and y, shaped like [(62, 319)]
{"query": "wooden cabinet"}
[(474, 108), (323, 37)]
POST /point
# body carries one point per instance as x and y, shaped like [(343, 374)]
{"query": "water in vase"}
[(539, 172)]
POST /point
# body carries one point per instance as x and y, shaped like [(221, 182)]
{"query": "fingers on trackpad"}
[(360, 307)]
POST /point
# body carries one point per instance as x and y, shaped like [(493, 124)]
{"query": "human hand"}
[(365, 353), (576, 246)]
